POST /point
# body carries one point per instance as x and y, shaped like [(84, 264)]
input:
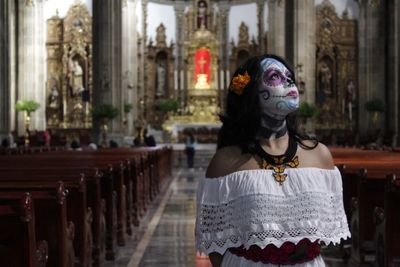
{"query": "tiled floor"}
[(166, 235)]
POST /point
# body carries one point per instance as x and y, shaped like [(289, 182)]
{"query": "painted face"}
[(278, 93)]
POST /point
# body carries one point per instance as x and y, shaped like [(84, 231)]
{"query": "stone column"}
[(129, 64), (304, 44), (31, 61), (276, 27), (5, 82), (260, 25), (107, 61), (393, 67), (142, 63), (224, 52), (179, 40), (371, 56)]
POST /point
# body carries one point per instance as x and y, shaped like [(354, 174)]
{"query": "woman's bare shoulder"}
[(319, 157), (226, 160)]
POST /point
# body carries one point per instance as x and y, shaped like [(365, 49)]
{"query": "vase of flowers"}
[(127, 108), (27, 106), (105, 113)]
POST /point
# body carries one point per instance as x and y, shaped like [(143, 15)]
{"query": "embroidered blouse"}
[(249, 207)]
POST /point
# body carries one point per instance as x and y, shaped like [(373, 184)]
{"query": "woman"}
[(270, 195)]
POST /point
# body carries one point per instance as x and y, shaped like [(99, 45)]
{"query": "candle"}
[(181, 80), (350, 112), (176, 80), (215, 79), (228, 77), (221, 80)]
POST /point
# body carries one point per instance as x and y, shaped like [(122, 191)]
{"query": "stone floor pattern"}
[(166, 235)]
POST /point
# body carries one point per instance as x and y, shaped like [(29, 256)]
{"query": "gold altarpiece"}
[(336, 69), (69, 68), (201, 74)]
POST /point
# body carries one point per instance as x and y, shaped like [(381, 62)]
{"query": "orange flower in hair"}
[(239, 83)]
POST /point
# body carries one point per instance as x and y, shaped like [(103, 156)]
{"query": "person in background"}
[(138, 141), (190, 149), (148, 139), (113, 144), (5, 143), (76, 145)]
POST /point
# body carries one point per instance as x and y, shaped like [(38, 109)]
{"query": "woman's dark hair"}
[(242, 118)]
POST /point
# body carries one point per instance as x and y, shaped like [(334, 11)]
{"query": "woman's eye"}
[(274, 77)]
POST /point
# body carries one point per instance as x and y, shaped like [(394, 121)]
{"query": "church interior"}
[(98, 98)]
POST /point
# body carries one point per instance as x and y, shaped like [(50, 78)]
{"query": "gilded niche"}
[(69, 65), (336, 68)]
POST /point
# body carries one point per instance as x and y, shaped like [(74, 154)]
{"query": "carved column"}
[(260, 24), (107, 60), (31, 59), (143, 51), (393, 67), (304, 44), (276, 27), (5, 15), (371, 65), (224, 44), (179, 17)]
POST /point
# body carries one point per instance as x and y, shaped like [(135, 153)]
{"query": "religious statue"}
[(54, 98), (243, 34), (76, 78), (160, 80), (350, 97), (202, 14), (325, 77), (161, 36)]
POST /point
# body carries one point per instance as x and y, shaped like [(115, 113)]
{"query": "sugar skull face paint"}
[(278, 93)]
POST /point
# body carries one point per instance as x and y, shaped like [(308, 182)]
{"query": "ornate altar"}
[(336, 70), (69, 68), (201, 73), (202, 53)]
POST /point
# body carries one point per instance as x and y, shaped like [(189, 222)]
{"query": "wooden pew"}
[(387, 220), (121, 169), (50, 213), (370, 193), (67, 162), (84, 206), (18, 245)]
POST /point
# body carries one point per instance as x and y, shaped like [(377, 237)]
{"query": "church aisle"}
[(172, 243)]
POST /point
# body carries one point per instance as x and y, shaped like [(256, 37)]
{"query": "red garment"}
[(287, 254)]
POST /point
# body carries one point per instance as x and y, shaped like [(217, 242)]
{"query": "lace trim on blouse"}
[(251, 208)]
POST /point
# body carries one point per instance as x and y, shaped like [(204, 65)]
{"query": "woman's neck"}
[(271, 128), (275, 145)]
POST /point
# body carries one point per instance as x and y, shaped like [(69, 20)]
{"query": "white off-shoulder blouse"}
[(250, 208)]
